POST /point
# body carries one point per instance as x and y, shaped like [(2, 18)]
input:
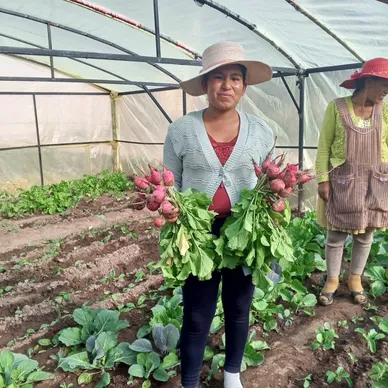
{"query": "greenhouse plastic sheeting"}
[(14, 67), (71, 119), (23, 174), (84, 159)]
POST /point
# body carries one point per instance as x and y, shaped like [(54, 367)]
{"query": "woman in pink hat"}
[(211, 150), (352, 170)]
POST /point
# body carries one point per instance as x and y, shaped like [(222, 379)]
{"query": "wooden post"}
[(115, 132)]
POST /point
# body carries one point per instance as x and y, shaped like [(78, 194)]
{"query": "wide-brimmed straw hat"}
[(227, 53), (377, 67)]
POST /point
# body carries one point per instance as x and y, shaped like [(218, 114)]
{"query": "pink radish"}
[(286, 192), (168, 177), (155, 177), (279, 206), (258, 170), (158, 196), (141, 183), (161, 188), (290, 179), (153, 205), (159, 222), (304, 179), (277, 185), (166, 207), (266, 163), (273, 170), (292, 167)]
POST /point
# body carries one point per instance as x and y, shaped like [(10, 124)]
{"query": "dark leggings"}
[(199, 303)]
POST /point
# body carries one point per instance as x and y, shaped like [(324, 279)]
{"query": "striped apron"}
[(359, 188)]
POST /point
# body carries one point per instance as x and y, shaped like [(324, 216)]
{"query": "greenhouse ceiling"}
[(129, 46)]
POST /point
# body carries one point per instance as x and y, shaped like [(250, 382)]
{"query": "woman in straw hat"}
[(352, 166), (211, 150)]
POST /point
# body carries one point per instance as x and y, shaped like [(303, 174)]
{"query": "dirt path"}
[(63, 228), (98, 254)]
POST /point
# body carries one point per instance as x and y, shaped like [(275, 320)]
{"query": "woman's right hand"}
[(173, 216), (324, 190)]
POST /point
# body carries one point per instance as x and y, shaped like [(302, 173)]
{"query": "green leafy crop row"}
[(59, 197)]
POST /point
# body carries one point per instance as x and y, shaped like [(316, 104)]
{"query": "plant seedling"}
[(379, 374), (371, 337), (325, 337), (307, 381), (338, 376), (343, 324)]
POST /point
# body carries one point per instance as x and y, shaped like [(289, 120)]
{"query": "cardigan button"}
[(227, 183)]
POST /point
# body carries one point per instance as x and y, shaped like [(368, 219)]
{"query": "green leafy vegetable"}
[(187, 245), (17, 370)]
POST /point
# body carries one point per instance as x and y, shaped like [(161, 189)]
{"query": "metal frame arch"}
[(88, 35)]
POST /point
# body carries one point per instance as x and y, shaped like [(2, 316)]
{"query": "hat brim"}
[(352, 83), (257, 73)]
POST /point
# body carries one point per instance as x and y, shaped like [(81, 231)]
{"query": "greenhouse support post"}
[(38, 141), (289, 91), (156, 102), (302, 78), (50, 46), (115, 133), (157, 28), (184, 102)]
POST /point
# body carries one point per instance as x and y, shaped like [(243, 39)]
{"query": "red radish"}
[(286, 192), (168, 177), (166, 207), (273, 170), (281, 175), (258, 170), (159, 222), (155, 177), (153, 205), (161, 188), (267, 162), (141, 183), (158, 196), (304, 179), (290, 179), (279, 206), (277, 185), (292, 167)]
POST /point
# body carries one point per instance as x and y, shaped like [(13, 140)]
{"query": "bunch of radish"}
[(186, 246), (154, 193), (279, 181), (256, 236)]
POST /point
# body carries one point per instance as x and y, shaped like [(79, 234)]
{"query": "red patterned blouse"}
[(221, 202)]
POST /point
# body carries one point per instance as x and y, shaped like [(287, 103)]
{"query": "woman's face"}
[(225, 86), (376, 89)]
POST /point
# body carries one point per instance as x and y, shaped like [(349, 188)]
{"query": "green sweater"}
[(331, 145)]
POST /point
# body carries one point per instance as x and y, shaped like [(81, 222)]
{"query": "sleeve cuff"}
[(323, 178)]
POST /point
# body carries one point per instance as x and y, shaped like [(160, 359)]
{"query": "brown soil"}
[(82, 253)]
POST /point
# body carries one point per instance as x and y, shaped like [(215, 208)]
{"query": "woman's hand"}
[(324, 190), (173, 216)]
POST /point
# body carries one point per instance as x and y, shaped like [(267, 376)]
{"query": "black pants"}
[(199, 304)]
